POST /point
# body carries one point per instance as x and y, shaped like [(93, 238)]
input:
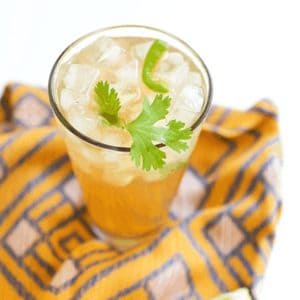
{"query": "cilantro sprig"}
[(108, 102), (145, 135)]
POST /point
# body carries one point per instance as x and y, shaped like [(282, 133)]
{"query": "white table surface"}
[(251, 48)]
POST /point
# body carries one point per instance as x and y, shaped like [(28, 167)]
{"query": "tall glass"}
[(125, 203)]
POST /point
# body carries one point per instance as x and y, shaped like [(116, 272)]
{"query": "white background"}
[(251, 48)]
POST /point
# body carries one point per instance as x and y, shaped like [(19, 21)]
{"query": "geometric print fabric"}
[(222, 220)]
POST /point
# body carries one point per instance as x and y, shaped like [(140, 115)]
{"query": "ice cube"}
[(111, 138), (140, 50), (121, 170), (128, 87), (83, 120), (174, 58), (116, 167), (175, 77), (115, 136), (194, 78), (66, 99), (130, 101), (174, 70), (90, 155), (80, 77), (112, 53), (104, 43), (92, 53), (130, 110), (181, 112), (69, 98), (170, 61), (88, 55), (127, 83), (128, 73), (191, 96), (129, 95)]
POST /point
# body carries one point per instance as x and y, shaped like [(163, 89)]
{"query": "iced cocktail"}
[(130, 101)]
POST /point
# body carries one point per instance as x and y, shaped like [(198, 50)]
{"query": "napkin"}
[(222, 221)]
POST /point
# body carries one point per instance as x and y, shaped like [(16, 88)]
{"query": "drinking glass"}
[(125, 203)]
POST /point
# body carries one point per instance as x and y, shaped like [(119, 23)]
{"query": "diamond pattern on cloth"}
[(190, 193), (72, 190), (66, 273), (31, 112), (171, 283), (226, 235), (22, 237)]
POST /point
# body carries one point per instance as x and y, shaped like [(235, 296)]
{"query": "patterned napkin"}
[(221, 226)]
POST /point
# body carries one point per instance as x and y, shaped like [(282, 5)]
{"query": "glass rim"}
[(93, 142)]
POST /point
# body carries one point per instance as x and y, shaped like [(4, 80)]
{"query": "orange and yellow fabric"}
[(222, 225)]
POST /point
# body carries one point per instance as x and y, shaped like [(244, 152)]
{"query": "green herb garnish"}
[(155, 53), (144, 152), (108, 102), (144, 134)]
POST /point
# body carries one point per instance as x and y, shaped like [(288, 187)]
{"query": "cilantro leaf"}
[(154, 54), (153, 112), (143, 150), (108, 102), (176, 134)]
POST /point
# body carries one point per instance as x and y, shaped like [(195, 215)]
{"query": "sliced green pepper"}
[(155, 53)]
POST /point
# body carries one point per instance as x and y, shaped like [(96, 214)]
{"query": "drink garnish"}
[(144, 152), (108, 102), (154, 54), (144, 133)]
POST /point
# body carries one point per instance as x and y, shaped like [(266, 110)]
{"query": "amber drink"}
[(126, 202)]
